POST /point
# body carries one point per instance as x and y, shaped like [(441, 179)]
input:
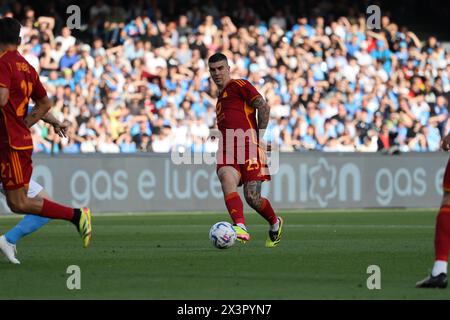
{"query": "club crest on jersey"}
[(21, 66)]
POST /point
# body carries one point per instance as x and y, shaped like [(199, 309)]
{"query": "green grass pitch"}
[(323, 255)]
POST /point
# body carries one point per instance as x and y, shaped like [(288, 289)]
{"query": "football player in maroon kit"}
[(438, 277), (242, 116), (19, 82)]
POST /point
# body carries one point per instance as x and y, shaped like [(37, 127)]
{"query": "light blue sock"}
[(29, 223)]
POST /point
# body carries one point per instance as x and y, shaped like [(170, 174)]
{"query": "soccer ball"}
[(222, 235)]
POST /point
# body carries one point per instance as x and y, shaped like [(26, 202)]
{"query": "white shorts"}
[(33, 190)]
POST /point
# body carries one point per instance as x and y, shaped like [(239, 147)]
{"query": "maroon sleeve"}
[(38, 89), (249, 92), (5, 74)]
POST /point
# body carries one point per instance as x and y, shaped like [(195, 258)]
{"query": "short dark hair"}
[(216, 57), (9, 31)]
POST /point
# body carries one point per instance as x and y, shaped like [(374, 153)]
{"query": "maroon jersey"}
[(446, 182), (234, 110), (23, 83)]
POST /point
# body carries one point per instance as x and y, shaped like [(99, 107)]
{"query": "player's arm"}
[(42, 107), (42, 102), (263, 108), (5, 82), (4, 96), (59, 127)]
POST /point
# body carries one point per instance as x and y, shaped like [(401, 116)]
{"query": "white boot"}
[(9, 250)]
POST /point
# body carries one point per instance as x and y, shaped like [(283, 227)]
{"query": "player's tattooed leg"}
[(252, 193)]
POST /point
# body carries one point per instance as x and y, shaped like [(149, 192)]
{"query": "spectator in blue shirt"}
[(69, 59), (383, 54), (126, 143)]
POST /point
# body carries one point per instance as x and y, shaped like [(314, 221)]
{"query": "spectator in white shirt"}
[(66, 39)]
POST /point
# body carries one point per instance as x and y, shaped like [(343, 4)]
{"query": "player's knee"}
[(224, 177), (228, 183), (16, 206)]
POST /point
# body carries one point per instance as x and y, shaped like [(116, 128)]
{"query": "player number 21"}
[(27, 88), (5, 169)]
